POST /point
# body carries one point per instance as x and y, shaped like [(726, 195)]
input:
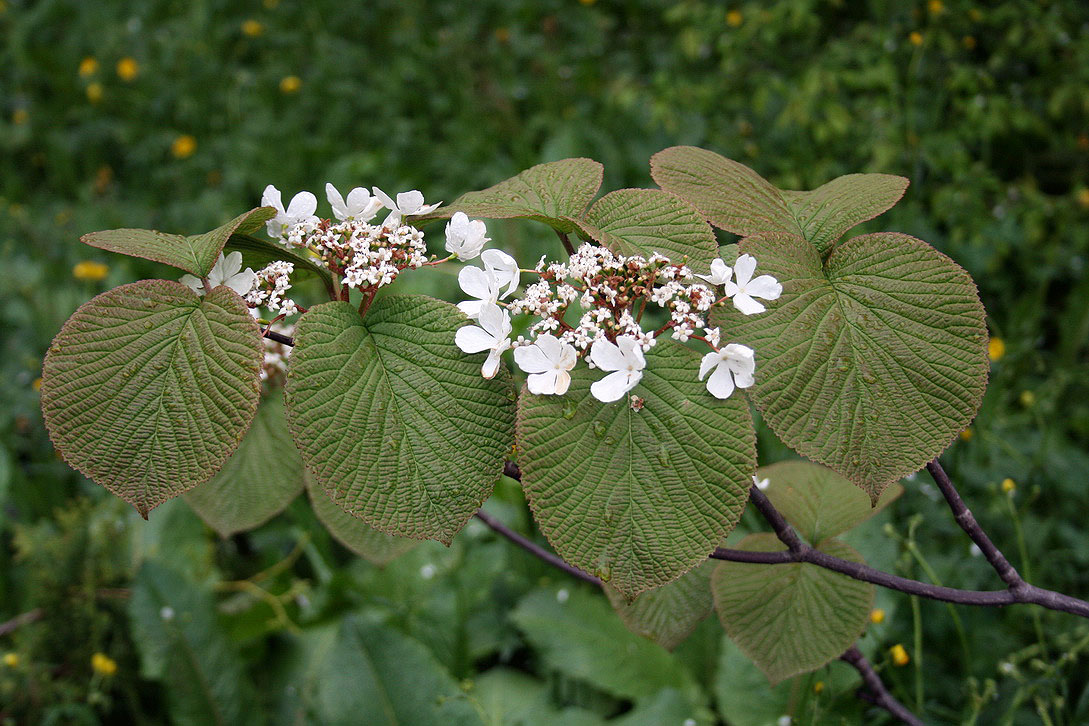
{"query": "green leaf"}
[(637, 497), (257, 253), (182, 645), (507, 697), (872, 363), (555, 193), (827, 212), (578, 635), (645, 221), (392, 419), (376, 547), (363, 672), (730, 195), (260, 478), (196, 254), (148, 388), (745, 698), (819, 502), (790, 618), (668, 614)]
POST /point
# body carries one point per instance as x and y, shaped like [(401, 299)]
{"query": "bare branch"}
[(876, 692), (534, 548)]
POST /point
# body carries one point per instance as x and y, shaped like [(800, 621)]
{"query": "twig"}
[(876, 692), (534, 548), (19, 621), (280, 338), (566, 242)]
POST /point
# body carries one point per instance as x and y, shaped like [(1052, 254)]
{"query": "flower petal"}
[(384, 198), (563, 382), (532, 359), (745, 303), (721, 383), (479, 283), (358, 200), (744, 268), (708, 362), (613, 386), (192, 283), (491, 363), (303, 205), (473, 339), (607, 356), (340, 210), (766, 287), (410, 202), (232, 264), (541, 384), (472, 307), (496, 321), (272, 198), (242, 282)]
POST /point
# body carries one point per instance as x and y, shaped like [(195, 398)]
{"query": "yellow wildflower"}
[(183, 146), (967, 434), (90, 270), (88, 66), (996, 348), (877, 616), (502, 35), (975, 14), (128, 68), (899, 655), (1008, 485), (94, 92), (1083, 198), (936, 7), (37, 384), (734, 18), (916, 38), (20, 116), (11, 660), (252, 28), (290, 84), (818, 687), (968, 42), (103, 664), (1028, 399)]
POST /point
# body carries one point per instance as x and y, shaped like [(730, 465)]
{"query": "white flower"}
[(465, 238), (733, 364), (302, 208), (408, 204), (492, 335), (746, 288), (547, 361), (761, 484), (481, 284), (227, 271), (720, 273), (360, 205), (625, 357), (504, 267)]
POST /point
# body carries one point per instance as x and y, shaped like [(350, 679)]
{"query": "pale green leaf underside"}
[(555, 193), (394, 421), (817, 501), (645, 221), (737, 199), (361, 672), (637, 497), (582, 638), (148, 388), (257, 253), (828, 211), (793, 618), (364, 540), (668, 614), (874, 368), (260, 478), (196, 254), (204, 680)]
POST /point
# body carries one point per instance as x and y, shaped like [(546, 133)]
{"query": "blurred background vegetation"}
[(174, 115)]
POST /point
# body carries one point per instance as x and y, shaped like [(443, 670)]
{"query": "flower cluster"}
[(610, 293), (269, 286)]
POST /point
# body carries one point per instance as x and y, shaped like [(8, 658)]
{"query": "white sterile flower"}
[(625, 357), (761, 484), (301, 209), (227, 271), (360, 205), (465, 238), (720, 273), (408, 204), (746, 288), (548, 361), (733, 364), (493, 335), (481, 284), (504, 267)]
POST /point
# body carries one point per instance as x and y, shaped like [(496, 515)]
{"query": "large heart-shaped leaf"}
[(737, 199), (148, 388), (645, 221), (393, 420), (668, 614), (871, 363), (260, 478), (790, 618), (196, 254), (817, 501), (637, 497), (555, 193), (355, 534)]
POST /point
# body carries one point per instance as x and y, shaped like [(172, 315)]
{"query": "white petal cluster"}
[(465, 238), (360, 205), (301, 209), (486, 284), (733, 366), (745, 289), (492, 334), (548, 362), (226, 271), (624, 359), (364, 255), (408, 204), (273, 281)]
